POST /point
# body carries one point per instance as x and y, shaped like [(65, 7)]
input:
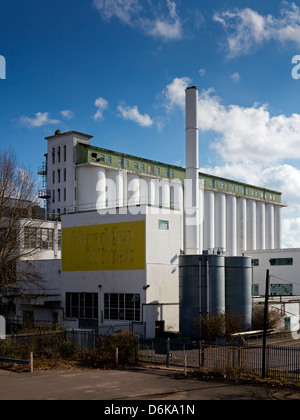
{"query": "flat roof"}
[(68, 133)]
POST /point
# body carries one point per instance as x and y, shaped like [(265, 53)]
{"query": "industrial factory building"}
[(131, 227)]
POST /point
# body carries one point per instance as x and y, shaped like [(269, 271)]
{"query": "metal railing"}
[(282, 362)]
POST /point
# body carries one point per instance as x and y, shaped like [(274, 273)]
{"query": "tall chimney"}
[(192, 202)]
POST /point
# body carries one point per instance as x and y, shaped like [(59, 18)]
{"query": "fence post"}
[(168, 353), (31, 362), (117, 357)]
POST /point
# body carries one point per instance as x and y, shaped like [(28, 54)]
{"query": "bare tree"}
[(218, 325), (18, 226)]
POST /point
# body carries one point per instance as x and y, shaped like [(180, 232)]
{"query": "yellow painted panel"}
[(116, 246)]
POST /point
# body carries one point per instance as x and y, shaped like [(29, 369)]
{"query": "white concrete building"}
[(230, 215), (110, 276)]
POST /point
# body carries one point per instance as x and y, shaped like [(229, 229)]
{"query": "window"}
[(222, 186), (120, 162), (59, 239), (109, 159), (232, 188), (82, 305), (237, 189), (53, 196), (65, 175), (172, 174), (281, 261), (58, 195), (122, 307), (142, 167), (166, 172), (157, 171), (58, 154), (53, 177), (58, 175), (65, 153), (65, 194), (38, 237), (53, 155), (126, 163), (136, 165), (150, 170), (255, 263), (102, 158), (210, 183), (281, 290), (255, 290), (163, 224)]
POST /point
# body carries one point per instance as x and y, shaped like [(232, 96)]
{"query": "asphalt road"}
[(139, 384)]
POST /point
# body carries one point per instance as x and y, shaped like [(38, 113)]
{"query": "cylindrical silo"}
[(151, 190), (270, 226), (133, 190), (201, 215), (177, 195), (260, 225), (238, 286), (278, 227), (216, 283), (231, 231), (201, 289), (251, 225), (242, 224), (220, 221), (144, 194), (189, 293), (165, 189), (209, 219), (100, 188)]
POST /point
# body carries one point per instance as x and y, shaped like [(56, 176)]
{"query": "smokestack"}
[(192, 202)]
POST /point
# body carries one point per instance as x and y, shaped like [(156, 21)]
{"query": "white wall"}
[(285, 274), (159, 301)]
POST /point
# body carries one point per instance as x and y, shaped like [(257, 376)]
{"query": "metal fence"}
[(281, 362)]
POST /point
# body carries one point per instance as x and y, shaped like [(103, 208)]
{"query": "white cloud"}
[(236, 77), (154, 19), (102, 104), (246, 28), (39, 120), (133, 114), (243, 133), (67, 114), (174, 93)]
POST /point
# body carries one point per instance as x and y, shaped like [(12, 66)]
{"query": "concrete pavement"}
[(138, 384)]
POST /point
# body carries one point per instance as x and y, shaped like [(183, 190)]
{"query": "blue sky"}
[(117, 69)]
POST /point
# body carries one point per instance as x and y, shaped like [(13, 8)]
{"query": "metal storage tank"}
[(216, 283), (238, 286), (201, 288), (189, 292)]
